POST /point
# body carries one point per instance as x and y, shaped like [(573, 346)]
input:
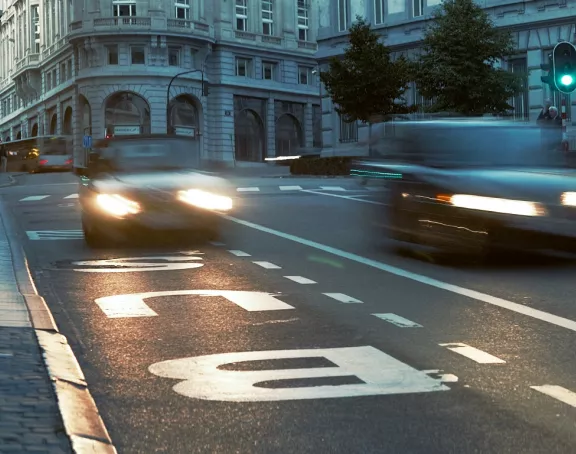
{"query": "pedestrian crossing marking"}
[(71, 196), (254, 189), (38, 235), (290, 188), (332, 188), (34, 198)]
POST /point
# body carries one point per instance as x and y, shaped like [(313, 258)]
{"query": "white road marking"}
[(290, 188), (398, 321), (6, 355), (133, 264), (72, 196), (217, 243), (347, 197), (268, 265), (37, 235), (332, 188), (248, 189), (301, 280), (134, 305), (472, 294), (342, 298), (202, 377), (557, 392), (473, 353), (34, 198), (239, 253)]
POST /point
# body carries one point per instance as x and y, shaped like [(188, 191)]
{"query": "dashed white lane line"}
[(71, 196), (347, 197), (34, 198), (343, 298), (290, 188), (398, 321), (557, 392), (268, 265), (472, 294), (300, 279), (332, 188), (239, 253), (254, 189), (473, 353)]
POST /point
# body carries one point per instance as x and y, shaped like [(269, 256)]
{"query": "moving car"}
[(153, 183), (473, 186)]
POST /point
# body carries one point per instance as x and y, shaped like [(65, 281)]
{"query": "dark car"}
[(149, 184), (473, 187)]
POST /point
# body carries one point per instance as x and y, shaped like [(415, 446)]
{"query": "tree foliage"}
[(366, 82), (457, 68)]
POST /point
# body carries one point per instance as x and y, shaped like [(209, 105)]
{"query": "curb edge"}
[(82, 421)]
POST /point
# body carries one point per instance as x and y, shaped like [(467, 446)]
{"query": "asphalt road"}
[(397, 355)]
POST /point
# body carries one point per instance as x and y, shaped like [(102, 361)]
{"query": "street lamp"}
[(168, 126)]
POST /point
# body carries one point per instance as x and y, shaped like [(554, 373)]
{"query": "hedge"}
[(329, 166)]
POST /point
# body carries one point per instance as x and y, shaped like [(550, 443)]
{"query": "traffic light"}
[(564, 67), (549, 79)]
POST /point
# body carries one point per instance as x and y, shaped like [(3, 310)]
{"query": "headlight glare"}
[(206, 200), (117, 205), (568, 199), (495, 205)]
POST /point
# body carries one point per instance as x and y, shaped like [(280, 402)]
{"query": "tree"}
[(365, 82), (457, 68)]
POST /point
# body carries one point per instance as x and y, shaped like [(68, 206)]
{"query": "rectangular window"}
[(124, 9), (193, 55), (242, 15), (342, 15), (69, 69), (379, 11), (183, 9), (48, 77), (112, 54), (35, 16), (63, 71), (417, 8), (348, 131), (55, 77), (267, 17), (303, 20), (304, 75), (174, 56), (138, 55), (243, 67), (269, 70)]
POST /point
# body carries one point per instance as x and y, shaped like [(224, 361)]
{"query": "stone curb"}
[(82, 421)]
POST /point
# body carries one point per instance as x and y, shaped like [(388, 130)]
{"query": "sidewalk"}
[(6, 179), (29, 415)]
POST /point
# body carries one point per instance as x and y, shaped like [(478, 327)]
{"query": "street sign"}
[(87, 141), (202, 377), (133, 305)]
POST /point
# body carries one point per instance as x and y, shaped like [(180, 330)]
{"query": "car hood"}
[(161, 181)]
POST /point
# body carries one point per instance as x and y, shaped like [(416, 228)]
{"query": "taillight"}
[(44, 161), (69, 161)]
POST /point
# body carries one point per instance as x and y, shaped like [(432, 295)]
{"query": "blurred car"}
[(52, 160), (472, 187), (147, 184)]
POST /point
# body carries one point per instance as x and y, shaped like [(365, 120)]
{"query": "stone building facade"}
[(97, 68), (537, 26)]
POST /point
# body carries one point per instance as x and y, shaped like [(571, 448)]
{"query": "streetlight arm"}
[(168, 93)]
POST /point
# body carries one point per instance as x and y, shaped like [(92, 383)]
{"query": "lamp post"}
[(168, 126)]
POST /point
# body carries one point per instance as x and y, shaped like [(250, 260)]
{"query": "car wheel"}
[(93, 236)]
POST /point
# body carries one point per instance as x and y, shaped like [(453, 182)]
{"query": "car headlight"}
[(495, 205), (117, 205), (568, 199), (206, 200)]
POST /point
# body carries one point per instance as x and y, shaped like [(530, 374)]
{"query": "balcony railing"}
[(183, 24), (127, 21), (307, 45), (29, 60), (55, 47)]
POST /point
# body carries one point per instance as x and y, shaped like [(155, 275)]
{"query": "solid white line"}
[(342, 298), (72, 196), (290, 188), (332, 188), (268, 265), (347, 197), (473, 353), (398, 321), (300, 279), (557, 392), (34, 198), (247, 189), (473, 294), (239, 253)]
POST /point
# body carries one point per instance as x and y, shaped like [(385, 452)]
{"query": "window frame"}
[(273, 66), (182, 5), (342, 15), (267, 16), (116, 4), (308, 71), (132, 49), (241, 17), (178, 55), (248, 66), (109, 48), (303, 20), (418, 5), (379, 18)]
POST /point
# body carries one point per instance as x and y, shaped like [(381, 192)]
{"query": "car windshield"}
[(152, 155), (453, 144)]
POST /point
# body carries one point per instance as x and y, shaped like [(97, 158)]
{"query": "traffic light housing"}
[(564, 67), (549, 79)]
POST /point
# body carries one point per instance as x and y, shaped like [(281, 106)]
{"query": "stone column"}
[(308, 127), (270, 123)]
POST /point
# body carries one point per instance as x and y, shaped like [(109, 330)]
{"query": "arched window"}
[(288, 135), (127, 114), (249, 137)]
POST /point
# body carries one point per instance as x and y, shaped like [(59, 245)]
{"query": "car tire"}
[(93, 237)]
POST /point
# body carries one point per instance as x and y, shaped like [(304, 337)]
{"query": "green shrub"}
[(329, 166)]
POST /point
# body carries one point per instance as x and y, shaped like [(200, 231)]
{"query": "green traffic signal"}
[(564, 67), (566, 79)]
